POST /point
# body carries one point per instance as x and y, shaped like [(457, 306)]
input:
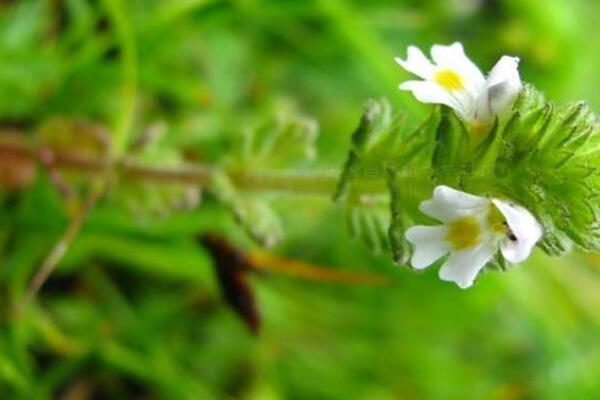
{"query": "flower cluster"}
[(474, 229)]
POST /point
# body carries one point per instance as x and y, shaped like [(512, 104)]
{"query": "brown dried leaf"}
[(231, 266)]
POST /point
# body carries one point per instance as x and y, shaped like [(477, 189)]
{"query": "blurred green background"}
[(134, 312)]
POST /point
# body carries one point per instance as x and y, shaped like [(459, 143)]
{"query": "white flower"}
[(452, 79), (473, 230)]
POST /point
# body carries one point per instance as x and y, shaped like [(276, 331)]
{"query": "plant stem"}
[(309, 183), (60, 248)]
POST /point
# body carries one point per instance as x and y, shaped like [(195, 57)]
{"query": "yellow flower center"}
[(463, 233), (449, 79)]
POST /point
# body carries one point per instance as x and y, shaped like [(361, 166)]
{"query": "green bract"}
[(277, 144), (543, 157)]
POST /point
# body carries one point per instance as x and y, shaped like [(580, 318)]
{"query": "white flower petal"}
[(524, 226), (454, 57), (506, 70), (454, 80), (502, 88), (462, 267), (417, 63), (448, 55), (429, 244), (448, 204), (432, 93)]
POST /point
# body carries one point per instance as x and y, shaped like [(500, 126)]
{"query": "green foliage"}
[(557, 161), (140, 197), (255, 215), (133, 311), (28, 67), (541, 156), (381, 144), (284, 141)]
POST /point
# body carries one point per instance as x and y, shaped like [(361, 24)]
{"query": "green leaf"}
[(254, 214), (550, 153), (370, 226), (382, 140), (398, 244), (282, 141), (541, 156), (285, 141), (451, 144)]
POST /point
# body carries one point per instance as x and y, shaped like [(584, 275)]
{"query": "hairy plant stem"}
[(103, 169), (309, 183)]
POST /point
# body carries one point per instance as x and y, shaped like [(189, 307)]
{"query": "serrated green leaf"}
[(370, 226), (376, 127), (382, 141), (449, 161), (253, 214), (543, 164), (530, 98), (375, 122), (280, 142), (398, 244)]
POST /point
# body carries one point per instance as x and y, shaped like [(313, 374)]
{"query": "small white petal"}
[(506, 70), (525, 228), (449, 204), (417, 63), (454, 57), (502, 88), (448, 55), (462, 267), (432, 93), (429, 244)]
